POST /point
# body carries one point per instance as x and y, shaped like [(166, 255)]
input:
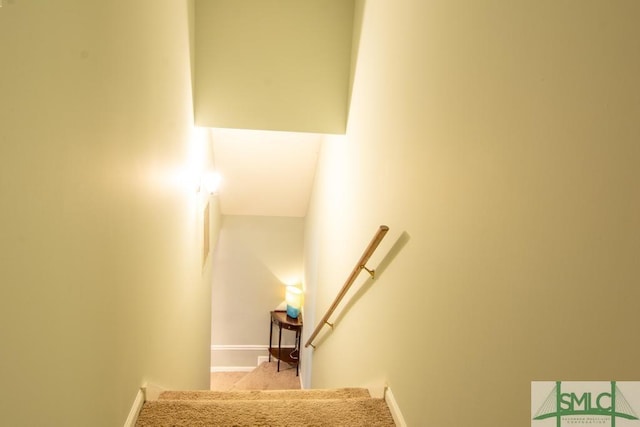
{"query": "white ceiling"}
[(265, 173)]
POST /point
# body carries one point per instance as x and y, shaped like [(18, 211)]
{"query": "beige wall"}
[(273, 64), (255, 257), (103, 286), (499, 141)]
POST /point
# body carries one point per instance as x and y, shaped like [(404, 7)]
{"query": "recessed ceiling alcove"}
[(273, 64)]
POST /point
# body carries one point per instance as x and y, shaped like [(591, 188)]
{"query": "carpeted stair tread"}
[(354, 412), (267, 377), (342, 393)]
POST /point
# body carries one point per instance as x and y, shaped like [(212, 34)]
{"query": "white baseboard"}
[(239, 358), (377, 392), (135, 409), (219, 347), (151, 392), (398, 419), (229, 358), (222, 347)]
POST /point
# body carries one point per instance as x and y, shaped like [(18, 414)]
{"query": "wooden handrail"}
[(361, 265)]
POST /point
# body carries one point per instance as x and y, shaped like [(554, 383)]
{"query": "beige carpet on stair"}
[(265, 398), (342, 393), (266, 413), (266, 377), (222, 381)]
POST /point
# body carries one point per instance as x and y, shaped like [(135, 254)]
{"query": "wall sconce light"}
[(210, 182), (293, 297)]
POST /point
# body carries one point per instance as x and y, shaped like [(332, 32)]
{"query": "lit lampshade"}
[(293, 297)]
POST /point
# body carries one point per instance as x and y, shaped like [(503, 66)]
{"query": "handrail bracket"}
[(372, 273)]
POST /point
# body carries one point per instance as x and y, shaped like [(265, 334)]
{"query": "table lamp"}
[(293, 297)]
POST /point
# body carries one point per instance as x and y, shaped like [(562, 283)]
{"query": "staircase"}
[(336, 407)]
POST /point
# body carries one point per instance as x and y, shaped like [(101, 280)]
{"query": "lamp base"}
[(293, 312)]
